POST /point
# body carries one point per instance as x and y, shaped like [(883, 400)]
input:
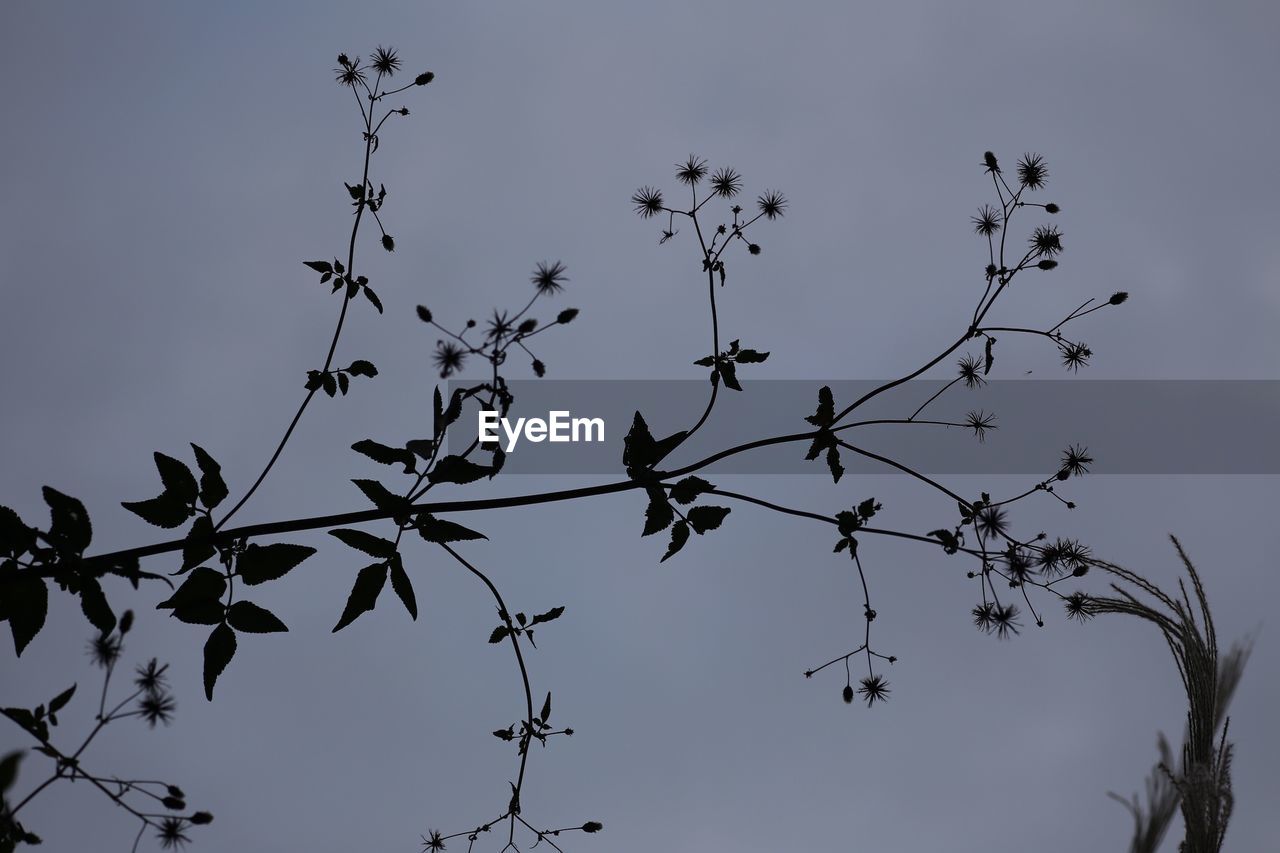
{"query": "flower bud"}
[(1118, 297), (424, 78)]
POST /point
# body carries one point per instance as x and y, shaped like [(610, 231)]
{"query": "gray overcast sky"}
[(167, 166)]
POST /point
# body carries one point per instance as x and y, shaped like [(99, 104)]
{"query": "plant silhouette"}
[(217, 573)]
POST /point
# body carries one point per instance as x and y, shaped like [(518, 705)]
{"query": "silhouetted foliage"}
[(1007, 567)]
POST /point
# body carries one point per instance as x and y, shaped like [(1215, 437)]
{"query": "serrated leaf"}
[(403, 587), (826, 412), (440, 531), (688, 489), (344, 382), (260, 563), (219, 649), (456, 469), (545, 714), (437, 411), (319, 266), (329, 383), (659, 514), (679, 536), (252, 619), (178, 480), (197, 548), (93, 603), (213, 490), (705, 361), (203, 585), (727, 372), (454, 410), (375, 546), (385, 455), (750, 356), (641, 451), (70, 528), (16, 538), (550, 615), (833, 463), (204, 612), (384, 499), (362, 367), (499, 634), (27, 602), (704, 518), (364, 594), (638, 448), (163, 511), (373, 297)]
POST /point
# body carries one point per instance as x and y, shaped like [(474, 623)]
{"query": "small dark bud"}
[(1071, 505), (201, 818), (471, 323), (424, 314), (539, 368), (592, 826), (989, 160), (175, 791), (847, 694), (1051, 208), (174, 804), (1064, 474), (390, 244), (568, 732), (126, 622), (991, 270), (753, 248), (424, 78), (343, 60), (893, 659), (721, 229), (1118, 298), (1047, 264), (567, 315), (404, 111), (1080, 571)]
